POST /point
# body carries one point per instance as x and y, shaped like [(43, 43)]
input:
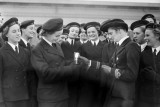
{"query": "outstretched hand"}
[(85, 60)]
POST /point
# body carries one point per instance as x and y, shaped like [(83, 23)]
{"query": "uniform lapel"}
[(22, 54), (76, 45), (9, 50), (118, 50), (21, 43), (100, 44), (50, 49), (121, 47), (89, 43), (67, 45), (60, 50)]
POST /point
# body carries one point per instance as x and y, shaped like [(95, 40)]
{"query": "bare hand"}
[(85, 60), (106, 69), (117, 73)]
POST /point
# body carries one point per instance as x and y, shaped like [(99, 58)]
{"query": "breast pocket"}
[(121, 59)]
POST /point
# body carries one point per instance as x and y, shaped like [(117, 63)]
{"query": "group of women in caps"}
[(113, 70)]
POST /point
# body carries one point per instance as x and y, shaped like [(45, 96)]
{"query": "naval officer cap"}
[(26, 23), (53, 25), (114, 23), (72, 24), (9, 23), (39, 29), (92, 24), (5, 27), (102, 27), (138, 23), (154, 26), (149, 16)]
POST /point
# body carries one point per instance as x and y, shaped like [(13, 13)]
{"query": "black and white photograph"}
[(79, 53)]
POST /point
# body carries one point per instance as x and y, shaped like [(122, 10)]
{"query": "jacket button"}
[(16, 78), (16, 70), (24, 77)]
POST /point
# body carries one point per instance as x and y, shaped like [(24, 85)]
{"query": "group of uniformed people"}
[(113, 70)]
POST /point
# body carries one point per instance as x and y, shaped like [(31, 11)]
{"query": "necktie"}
[(154, 58), (28, 45), (16, 50), (154, 52), (117, 46), (72, 43), (54, 45), (94, 43)]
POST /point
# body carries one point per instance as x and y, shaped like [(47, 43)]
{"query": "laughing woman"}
[(13, 70), (149, 92), (90, 92)]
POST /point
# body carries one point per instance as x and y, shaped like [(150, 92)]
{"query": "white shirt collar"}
[(97, 41), (122, 40), (13, 46), (50, 43), (143, 46), (70, 40), (157, 49), (25, 42), (83, 41)]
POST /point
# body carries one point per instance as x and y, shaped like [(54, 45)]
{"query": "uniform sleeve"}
[(1, 74), (105, 57), (150, 74), (46, 72), (130, 72)]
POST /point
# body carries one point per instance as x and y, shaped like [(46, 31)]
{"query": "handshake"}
[(104, 68)]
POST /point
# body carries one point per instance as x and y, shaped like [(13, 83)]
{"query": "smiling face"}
[(29, 31), (73, 32), (14, 34), (92, 33), (138, 35), (150, 38)]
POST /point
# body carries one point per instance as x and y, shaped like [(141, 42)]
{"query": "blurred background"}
[(78, 10), (81, 11)]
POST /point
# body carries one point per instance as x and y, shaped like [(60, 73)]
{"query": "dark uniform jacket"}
[(21, 43), (69, 50), (149, 79), (73, 83), (126, 58), (1, 41), (32, 77), (52, 72), (13, 74), (90, 91), (108, 51)]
